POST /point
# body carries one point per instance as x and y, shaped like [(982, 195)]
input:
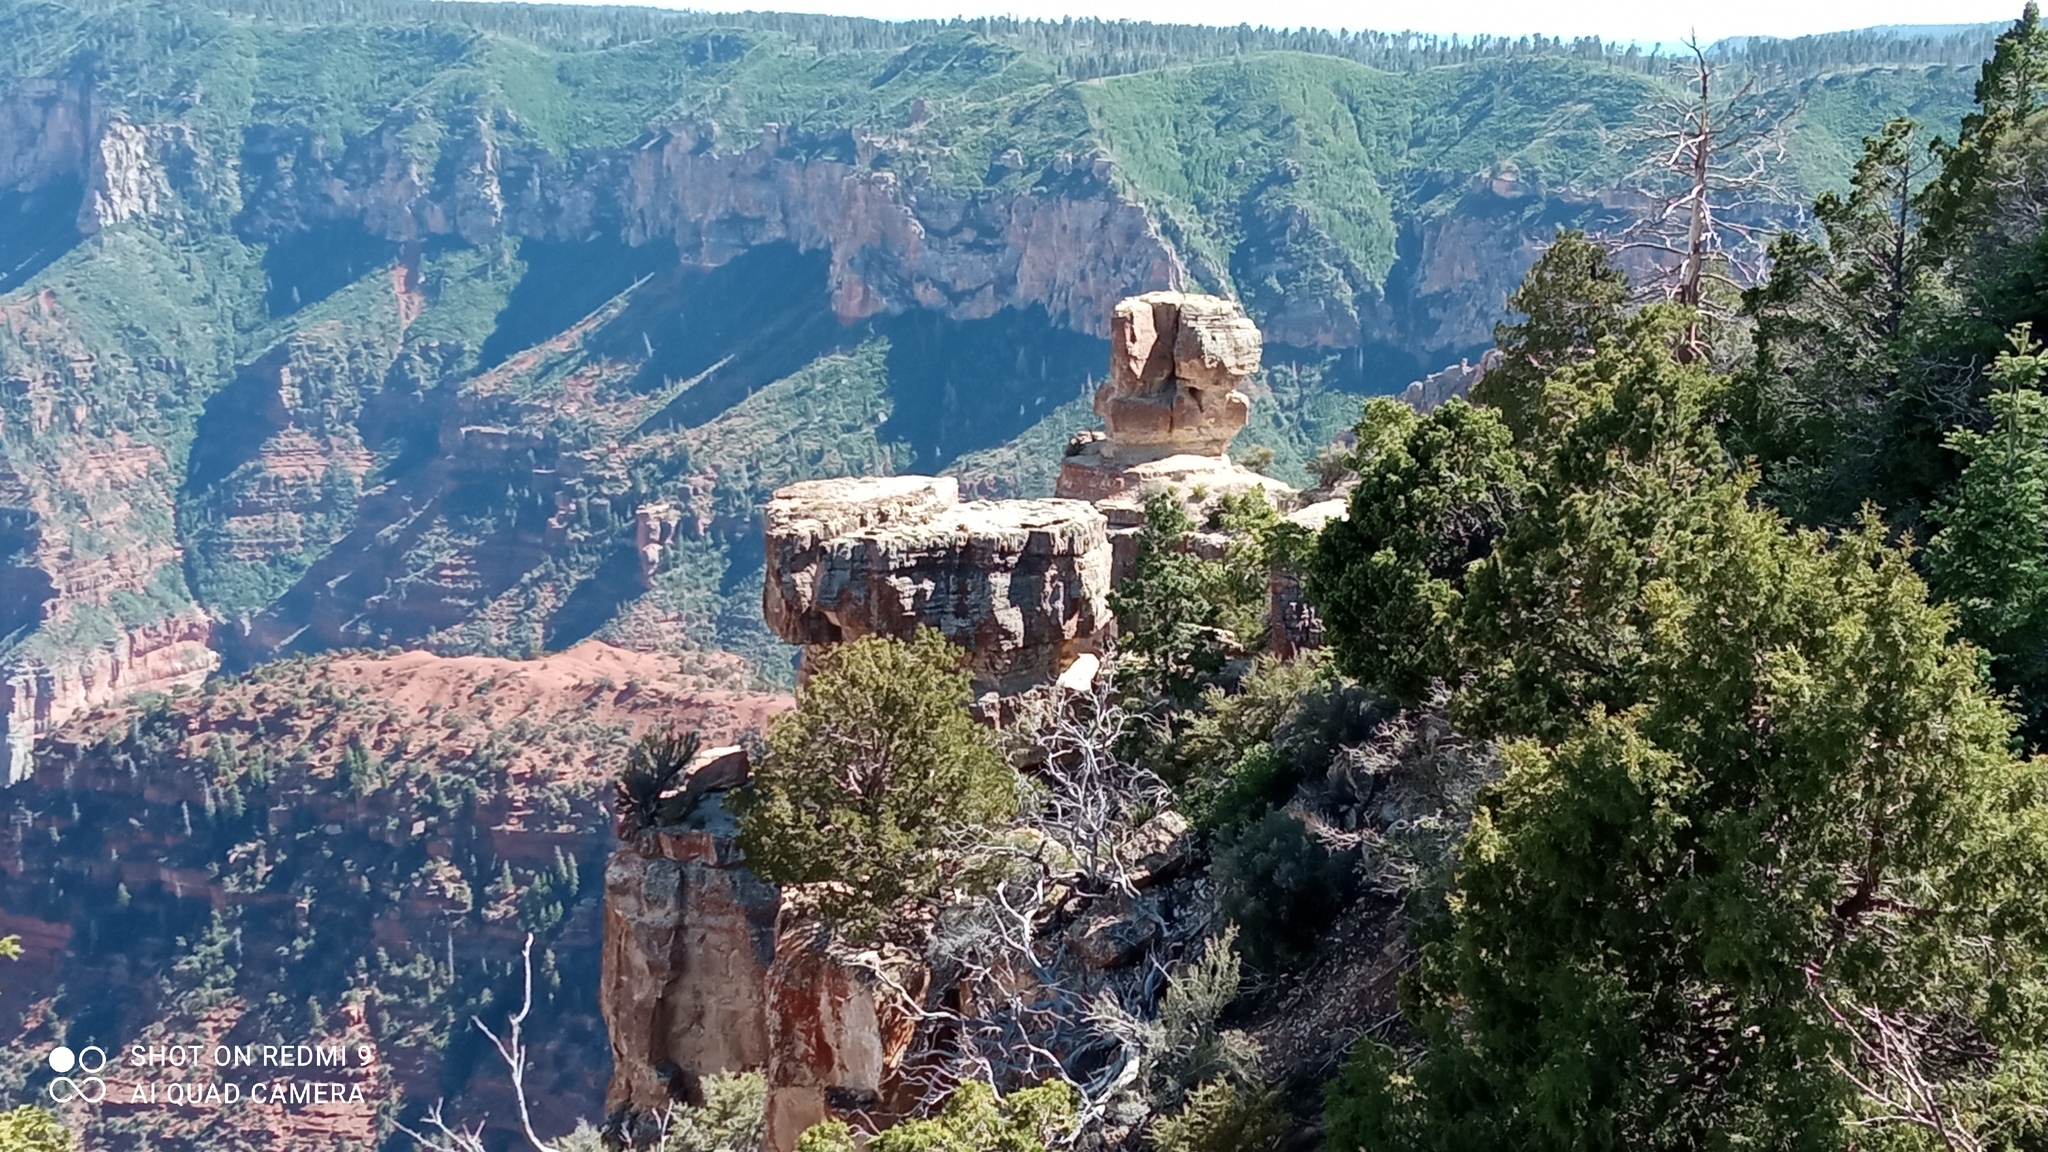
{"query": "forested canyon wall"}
[(894, 242)]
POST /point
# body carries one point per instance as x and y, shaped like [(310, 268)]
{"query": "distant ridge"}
[(1087, 48)]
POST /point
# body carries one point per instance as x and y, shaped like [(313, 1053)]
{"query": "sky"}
[(1647, 21)]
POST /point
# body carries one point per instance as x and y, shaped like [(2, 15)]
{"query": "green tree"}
[(874, 784), (1990, 557), (1223, 1116), (1964, 202), (1557, 620), (1985, 238), (1761, 870), (1169, 625), (1814, 405), (1433, 494), (732, 1118), (973, 1120), (1572, 298), (1281, 885)]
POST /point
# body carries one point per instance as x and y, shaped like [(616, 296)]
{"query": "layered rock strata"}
[(1170, 408), (1022, 585), (37, 697)]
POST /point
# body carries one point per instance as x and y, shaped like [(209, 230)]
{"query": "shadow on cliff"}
[(735, 329), (36, 228), (959, 386), (564, 282), (236, 421), (308, 267), (24, 587), (956, 386)]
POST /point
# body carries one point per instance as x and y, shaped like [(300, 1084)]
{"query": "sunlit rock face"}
[(1172, 404), (1021, 585)]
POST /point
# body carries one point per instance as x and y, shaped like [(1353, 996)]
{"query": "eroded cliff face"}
[(708, 970), (896, 242), (689, 938), (97, 570), (1021, 585)]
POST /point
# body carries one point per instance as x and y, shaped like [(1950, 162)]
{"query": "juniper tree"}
[(1990, 557), (1761, 870), (873, 784), (1433, 493)]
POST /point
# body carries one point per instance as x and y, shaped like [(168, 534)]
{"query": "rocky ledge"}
[(1022, 585)]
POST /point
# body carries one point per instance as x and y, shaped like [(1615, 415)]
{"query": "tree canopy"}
[(871, 785)]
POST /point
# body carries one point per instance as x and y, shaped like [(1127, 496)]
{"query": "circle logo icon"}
[(88, 1088)]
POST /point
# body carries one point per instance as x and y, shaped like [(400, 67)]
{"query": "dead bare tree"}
[(444, 1136), (1891, 1071), (1019, 1008), (1093, 802), (1710, 191)]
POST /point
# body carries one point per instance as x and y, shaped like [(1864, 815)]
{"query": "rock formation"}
[(706, 971), (1171, 405), (689, 936), (37, 697), (654, 532), (1430, 392), (1022, 585)]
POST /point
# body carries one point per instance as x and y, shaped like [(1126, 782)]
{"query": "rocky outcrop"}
[(654, 532), (55, 131), (1022, 585), (689, 937), (126, 179), (1171, 406), (1176, 362), (706, 970), (1432, 391), (838, 1033), (36, 697)]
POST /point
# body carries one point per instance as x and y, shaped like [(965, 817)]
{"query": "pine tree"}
[(1990, 558), (1813, 406), (1169, 630)]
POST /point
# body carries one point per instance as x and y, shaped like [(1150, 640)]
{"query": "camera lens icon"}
[(88, 1087)]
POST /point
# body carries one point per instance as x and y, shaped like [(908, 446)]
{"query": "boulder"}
[(1159, 849), (1115, 937), (1175, 363), (1022, 585)]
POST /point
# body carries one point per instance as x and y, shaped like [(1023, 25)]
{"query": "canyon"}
[(402, 409), (284, 375)]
